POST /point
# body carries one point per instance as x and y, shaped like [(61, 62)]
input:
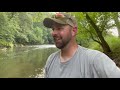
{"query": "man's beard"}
[(62, 42)]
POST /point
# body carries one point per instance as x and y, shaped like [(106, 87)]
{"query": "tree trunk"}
[(104, 44)]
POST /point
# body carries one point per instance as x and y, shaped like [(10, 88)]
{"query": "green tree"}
[(99, 31), (116, 17), (93, 26), (6, 38)]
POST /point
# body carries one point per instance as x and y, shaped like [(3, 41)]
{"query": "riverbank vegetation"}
[(23, 28), (94, 30)]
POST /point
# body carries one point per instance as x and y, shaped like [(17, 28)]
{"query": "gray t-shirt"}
[(85, 63)]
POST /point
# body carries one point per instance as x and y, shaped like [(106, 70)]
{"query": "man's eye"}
[(60, 28), (53, 29)]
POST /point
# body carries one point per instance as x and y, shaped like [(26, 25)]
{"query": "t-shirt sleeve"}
[(105, 67), (47, 65)]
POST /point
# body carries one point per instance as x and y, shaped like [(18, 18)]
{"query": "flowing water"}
[(24, 62)]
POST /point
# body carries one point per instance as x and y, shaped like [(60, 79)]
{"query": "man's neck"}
[(68, 52)]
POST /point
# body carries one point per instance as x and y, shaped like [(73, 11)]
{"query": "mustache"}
[(57, 38)]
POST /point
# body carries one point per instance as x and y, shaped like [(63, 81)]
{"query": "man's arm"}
[(105, 67), (48, 64)]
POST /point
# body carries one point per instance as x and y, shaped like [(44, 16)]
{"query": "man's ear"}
[(74, 31)]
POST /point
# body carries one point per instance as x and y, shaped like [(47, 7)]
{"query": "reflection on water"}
[(24, 62)]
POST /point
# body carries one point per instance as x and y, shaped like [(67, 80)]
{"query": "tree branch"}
[(91, 35)]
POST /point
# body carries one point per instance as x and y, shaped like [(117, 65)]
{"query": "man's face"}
[(62, 35)]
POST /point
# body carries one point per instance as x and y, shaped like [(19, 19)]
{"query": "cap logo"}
[(59, 15)]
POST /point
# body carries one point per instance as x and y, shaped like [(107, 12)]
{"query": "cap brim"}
[(48, 22)]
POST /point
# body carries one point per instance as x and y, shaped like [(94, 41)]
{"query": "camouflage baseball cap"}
[(60, 18)]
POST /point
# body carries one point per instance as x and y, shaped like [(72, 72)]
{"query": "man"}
[(73, 60)]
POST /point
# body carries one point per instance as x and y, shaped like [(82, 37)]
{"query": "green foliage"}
[(43, 35), (114, 42), (24, 22), (95, 45), (6, 38), (27, 27), (39, 34), (4, 43), (21, 38), (32, 38)]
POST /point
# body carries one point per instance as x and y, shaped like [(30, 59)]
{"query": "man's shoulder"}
[(96, 56), (89, 51), (91, 54), (52, 56)]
